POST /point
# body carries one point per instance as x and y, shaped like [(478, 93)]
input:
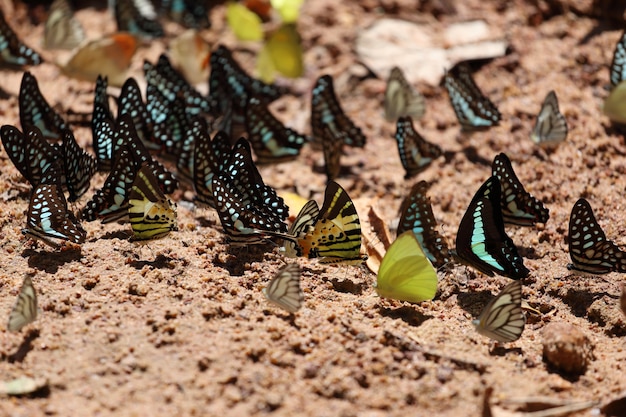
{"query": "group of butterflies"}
[(175, 121)]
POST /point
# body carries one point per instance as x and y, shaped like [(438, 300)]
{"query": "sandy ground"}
[(180, 326)]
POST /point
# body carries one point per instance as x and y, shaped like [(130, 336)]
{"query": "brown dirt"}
[(180, 327)]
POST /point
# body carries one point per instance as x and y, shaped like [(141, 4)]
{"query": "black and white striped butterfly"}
[(49, 220), (151, 214), (473, 109), (62, 30), (401, 99), (551, 126), (13, 53), (137, 17), (589, 249), (303, 224), (416, 215), (79, 166), (35, 110), (284, 289), (25, 309), (271, 140), (481, 241), (328, 119), (518, 206), (618, 65), (502, 319), (416, 153)]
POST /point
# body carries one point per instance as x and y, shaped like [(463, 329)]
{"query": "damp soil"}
[(180, 326)]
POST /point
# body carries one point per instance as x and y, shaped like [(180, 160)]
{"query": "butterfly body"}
[(405, 272), (481, 240), (473, 110), (502, 319)]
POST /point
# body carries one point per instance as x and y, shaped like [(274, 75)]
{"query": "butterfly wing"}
[(284, 289), (210, 158), (401, 99), (481, 241), (304, 222), (416, 215), (137, 17), (13, 53), (25, 309), (79, 166), (618, 65), (591, 252), (503, 319), (473, 110), (416, 154), (62, 30), (551, 126), (518, 206), (35, 110), (405, 272)]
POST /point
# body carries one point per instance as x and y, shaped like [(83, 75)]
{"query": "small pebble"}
[(566, 348)]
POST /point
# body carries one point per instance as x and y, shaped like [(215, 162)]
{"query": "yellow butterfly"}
[(406, 273)]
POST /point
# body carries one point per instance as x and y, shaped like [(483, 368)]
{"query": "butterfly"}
[(230, 85), (615, 104), (416, 215), (13, 53), (109, 56), (481, 241), (327, 117), (48, 218), (151, 214), (210, 158), (35, 110), (416, 153), (472, 108), (591, 252), (169, 122), (401, 99), (137, 17), (131, 102), (102, 137), (62, 30), (518, 206), (271, 140), (189, 13), (190, 53), (332, 151), (618, 65), (79, 166), (171, 84), (110, 203), (34, 157), (405, 272), (282, 52), (502, 319), (25, 309), (303, 224), (284, 289), (336, 237), (551, 126)]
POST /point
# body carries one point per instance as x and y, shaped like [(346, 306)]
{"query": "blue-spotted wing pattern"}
[(473, 110), (210, 158), (79, 166), (137, 17), (416, 153), (13, 53), (35, 110), (618, 65), (191, 14)]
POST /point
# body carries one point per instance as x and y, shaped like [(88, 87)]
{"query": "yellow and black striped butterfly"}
[(62, 30), (13, 53), (328, 121), (416, 215), (48, 218), (25, 309), (401, 99), (503, 319), (304, 222), (551, 126), (151, 214), (519, 207), (416, 153), (284, 289), (591, 252), (336, 237), (473, 109), (481, 241)]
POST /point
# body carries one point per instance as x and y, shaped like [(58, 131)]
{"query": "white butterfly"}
[(502, 319), (284, 289), (62, 30), (401, 99), (551, 126), (25, 309)]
